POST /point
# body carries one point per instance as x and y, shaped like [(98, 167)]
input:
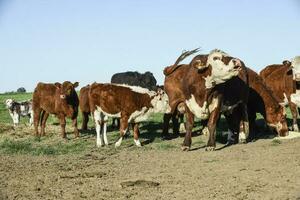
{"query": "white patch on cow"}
[(200, 112), (220, 71), (9, 103), (160, 103), (105, 133), (295, 127), (137, 142), (285, 100), (119, 142), (295, 98), (116, 115), (137, 89), (296, 67), (205, 131), (213, 105), (278, 126), (182, 128), (242, 136)]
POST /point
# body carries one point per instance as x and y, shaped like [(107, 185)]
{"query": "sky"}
[(90, 40)]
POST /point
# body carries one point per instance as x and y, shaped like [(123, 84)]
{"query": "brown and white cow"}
[(261, 100), (84, 106), (284, 81), (58, 99), (131, 104), (192, 89)]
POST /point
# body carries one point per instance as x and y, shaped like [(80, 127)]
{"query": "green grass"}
[(33, 147)]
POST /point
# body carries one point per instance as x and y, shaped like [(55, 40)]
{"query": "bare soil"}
[(265, 169)]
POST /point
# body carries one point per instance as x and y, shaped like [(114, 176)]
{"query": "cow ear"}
[(287, 63), (75, 85), (57, 85)]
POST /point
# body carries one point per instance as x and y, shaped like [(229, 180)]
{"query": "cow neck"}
[(265, 93)]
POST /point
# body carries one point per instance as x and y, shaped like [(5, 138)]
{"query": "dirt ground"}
[(264, 169)]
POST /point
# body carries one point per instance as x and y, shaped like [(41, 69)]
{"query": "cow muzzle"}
[(297, 77)]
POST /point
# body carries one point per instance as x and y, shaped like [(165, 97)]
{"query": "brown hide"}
[(84, 106), (58, 99)]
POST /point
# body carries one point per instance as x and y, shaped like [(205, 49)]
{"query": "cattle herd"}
[(210, 85)]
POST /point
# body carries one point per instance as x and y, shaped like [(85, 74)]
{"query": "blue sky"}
[(90, 40)]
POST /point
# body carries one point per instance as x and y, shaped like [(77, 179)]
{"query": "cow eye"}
[(216, 58)]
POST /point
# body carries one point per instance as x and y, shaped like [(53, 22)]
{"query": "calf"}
[(58, 99), (84, 106), (284, 81), (18, 109), (192, 89), (129, 103), (261, 100)]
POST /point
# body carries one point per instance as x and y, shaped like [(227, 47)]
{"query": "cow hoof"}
[(242, 141), (185, 148), (137, 143), (210, 148)]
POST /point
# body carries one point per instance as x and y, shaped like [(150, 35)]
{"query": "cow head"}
[(223, 67), (9, 103), (295, 64), (160, 101), (276, 119), (66, 90)]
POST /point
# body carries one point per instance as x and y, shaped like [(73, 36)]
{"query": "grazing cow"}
[(58, 99), (84, 106), (261, 100), (145, 80), (284, 81), (197, 90), (18, 109), (129, 103)]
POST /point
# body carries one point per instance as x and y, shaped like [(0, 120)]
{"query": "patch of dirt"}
[(260, 170)]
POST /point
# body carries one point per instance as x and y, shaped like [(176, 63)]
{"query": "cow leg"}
[(136, 134), (123, 129), (233, 128), (104, 125), (182, 124), (189, 128), (244, 126), (175, 124), (12, 117), (166, 123), (85, 120), (44, 118), (294, 112), (74, 124), (16, 118), (97, 119), (36, 120), (212, 123), (31, 118), (62, 121)]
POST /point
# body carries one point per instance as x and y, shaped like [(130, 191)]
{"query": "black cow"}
[(145, 80)]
